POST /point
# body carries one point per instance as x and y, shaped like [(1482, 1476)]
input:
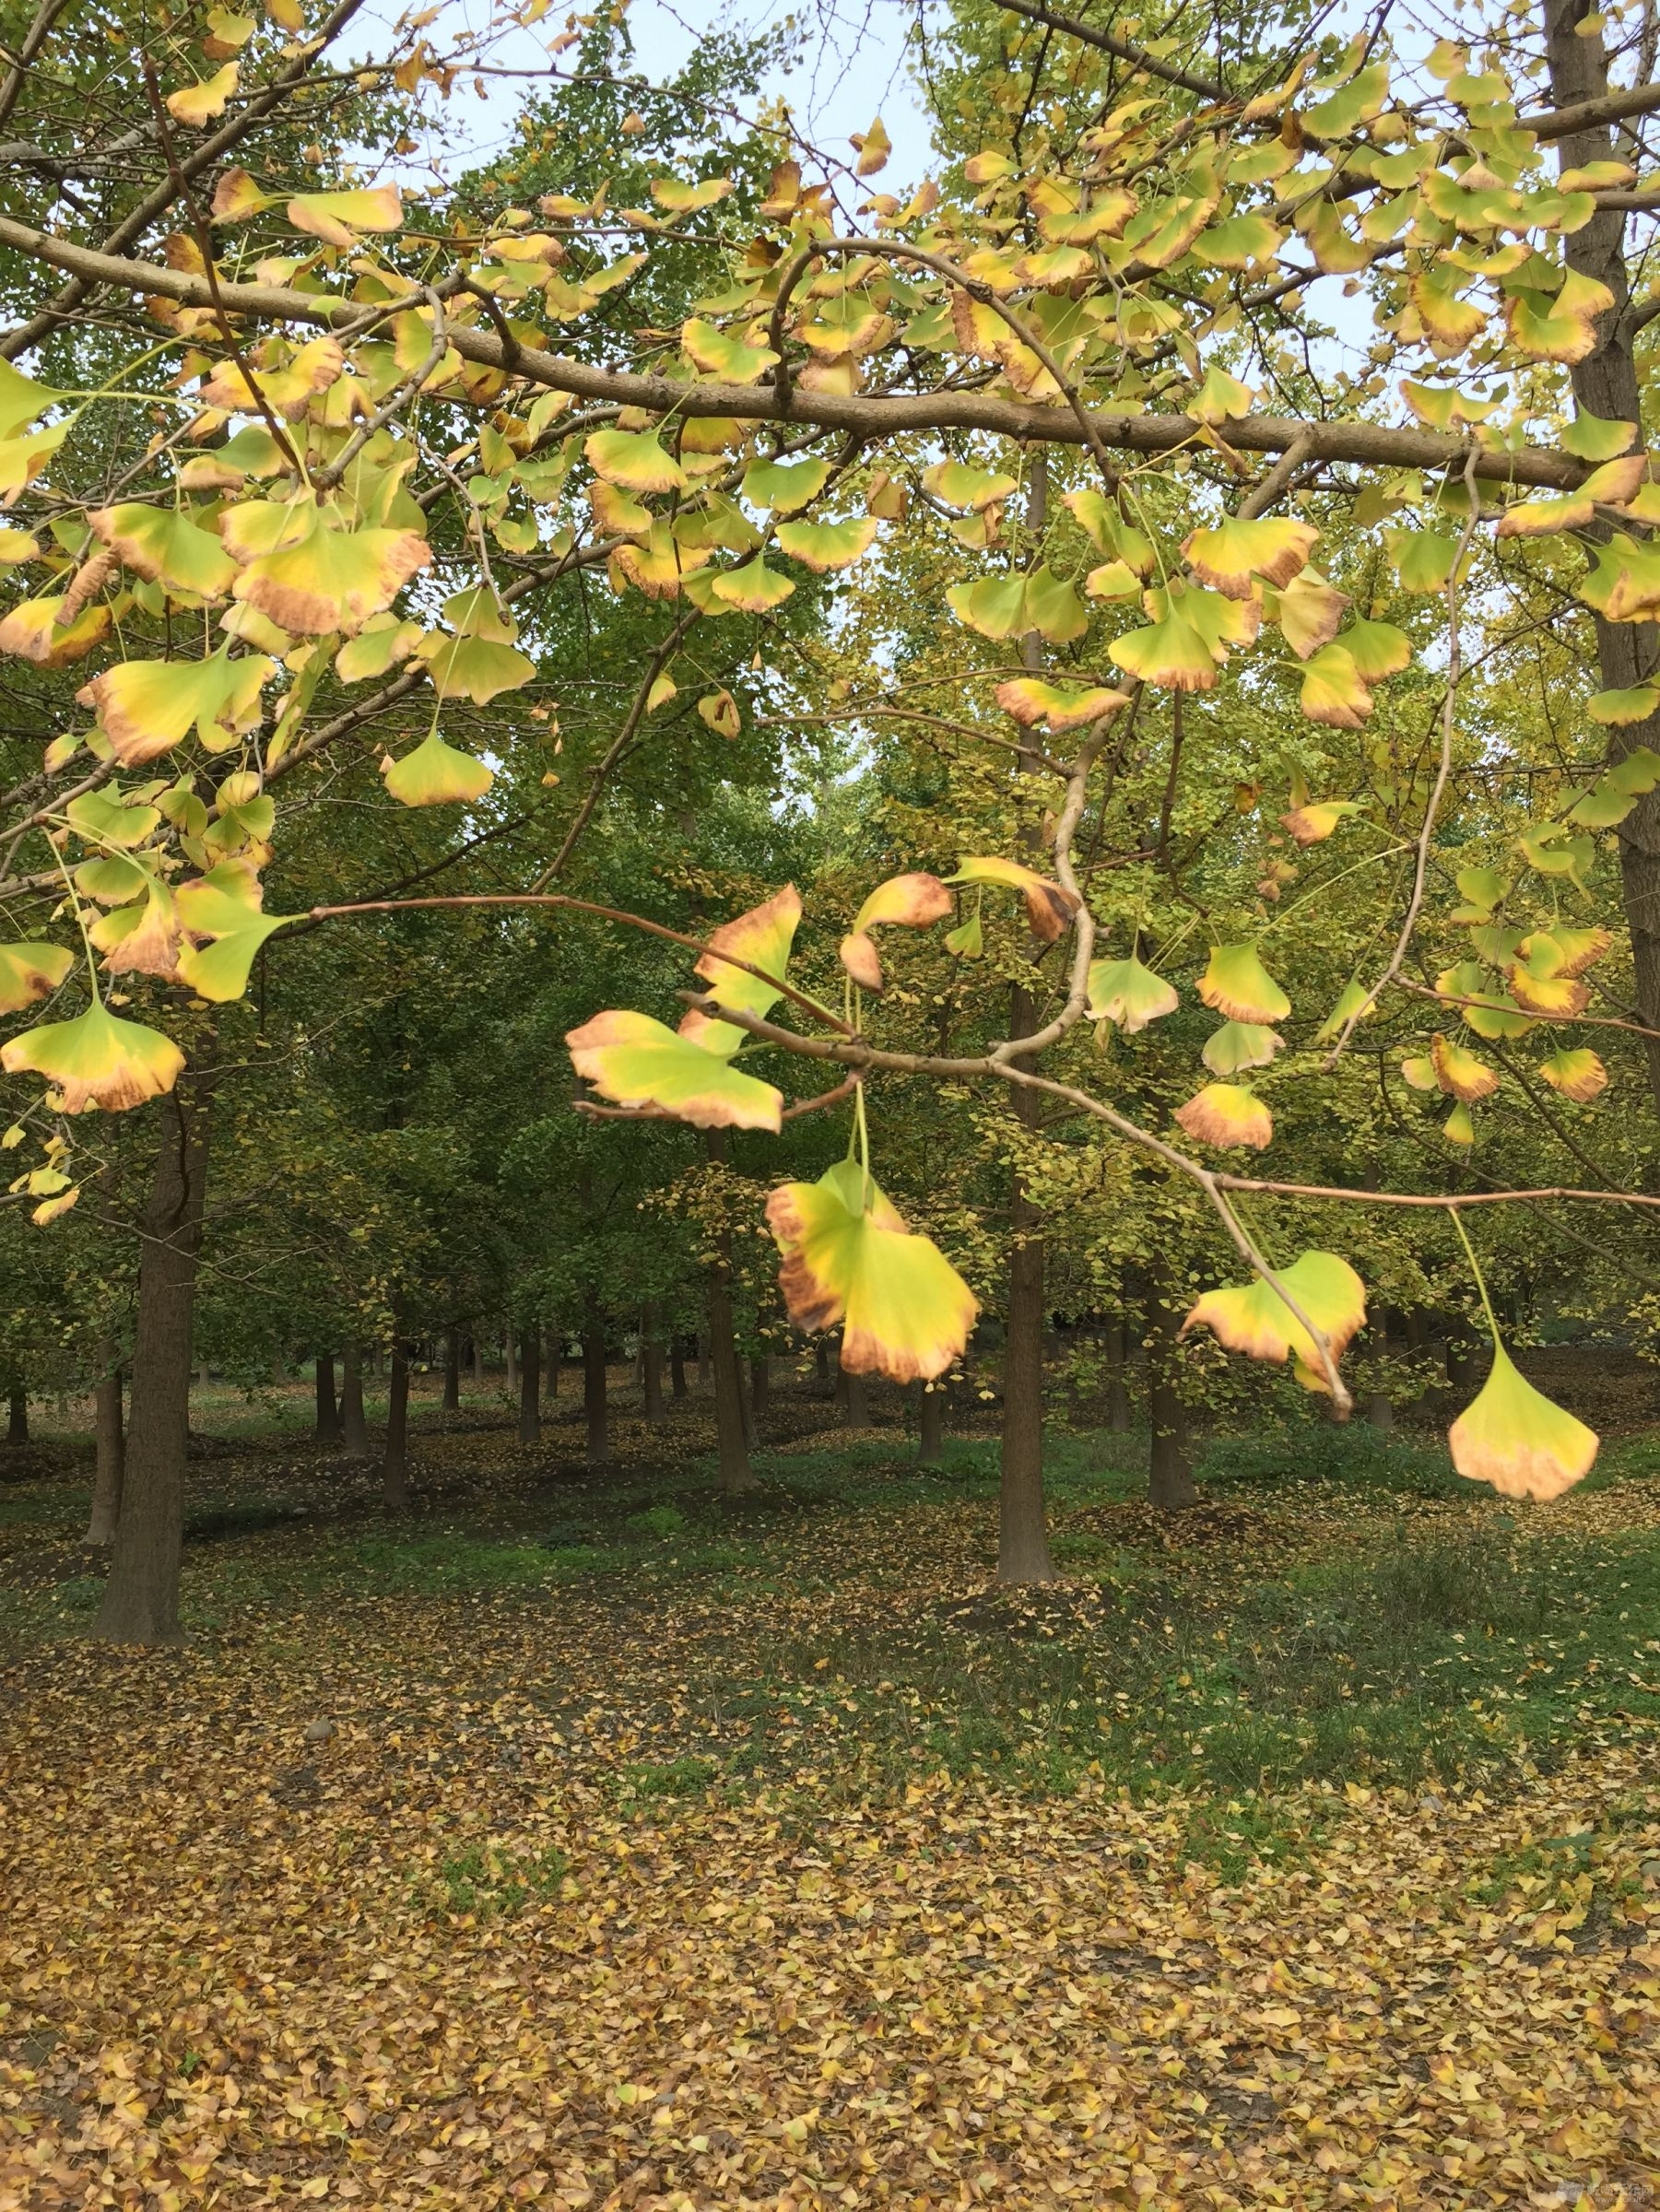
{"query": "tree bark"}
[(354, 1432), (1170, 1478), (595, 1404), (328, 1416), (823, 1380), (1606, 383), (703, 1359), (141, 1598), (507, 1358), (1379, 1409), (1118, 1388), (477, 1360), (530, 1387), (395, 1465), (931, 1453), (651, 1363), (451, 1400), (676, 1368), (17, 1415), (855, 1400), (110, 1448)]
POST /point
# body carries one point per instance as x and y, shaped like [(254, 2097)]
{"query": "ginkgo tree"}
[(378, 429)]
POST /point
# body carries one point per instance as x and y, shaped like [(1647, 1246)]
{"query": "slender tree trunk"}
[(1379, 1409), (477, 1360), (394, 1466), (141, 1598), (328, 1418), (676, 1368), (1118, 1389), (1606, 383), (507, 1358), (702, 1359), (1170, 1480), (451, 1402), (17, 1415), (823, 1380), (354, 1432), (530, 1387), (761, 1382), (109, 1446), (650, 1361), (856, 1400), (931, 1453), (594, 1402)]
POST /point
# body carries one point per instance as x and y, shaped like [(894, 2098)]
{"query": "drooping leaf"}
[(1049, 907), (1352, 999), (1029, 700), (1333, 693), (1225, 1115), (337, 217), (166, 546), (1129, 994), (196, 105), (785, 485), (763, 938), (1459, 1073), (332, 580), (476, 668), (1483, 1009), (634, 460), (1235, 554), (224, 906), (1313, 824), (637, 1061), (96, 1061), (1254, 1318), (1237, 984), (1238, 1045), (823, 547), (913, 901), (21, 398), (849, 1259), (955, 483), (679, 198), (436, 774), (29, 971), (1516, 1439), (752, 587), (718, 353), (145, 708), (1579, 1075)]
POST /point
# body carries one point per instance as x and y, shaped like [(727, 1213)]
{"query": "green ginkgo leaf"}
[(762, 939), (1516, 1439), (29, 971), (827, 545), (639, 1063), (904, 1311), (719, 354), (331, 579), (955, 483), (475, 668), (1129, 994), (752, 587), (1232, 555), (166, 546), (785, 485), (223, 906), (1238, 1045), (1048, 906), (1351, 1000), (634, 460), (97, 1061), (1237, 984), (21, 398), (1256, 1320), (436, 774)]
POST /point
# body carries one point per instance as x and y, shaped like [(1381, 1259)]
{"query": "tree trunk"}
[(931, 1453), (731, 1415), (702, 1359), (855, 1399), (676, 1368), (594, 1402), (530, 1387), (553, 1348), (507, 1358), (1118, 1389), (452, 1401), (650, 1361), (1169, 1479), (477, 1360), (354, 1433), (394, 1466), (141, 1598), (823, 1380), (1379, 1409), (328, 1418), (1606, 383), (109, 1446), (17, 1415)]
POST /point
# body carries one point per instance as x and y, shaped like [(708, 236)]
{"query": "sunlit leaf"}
[(719, 354), (678, 198), (848, 1259), (1352, 999), (752, 588), (29, 971), (1459, 1073), (96, 1061), (476, 668), (827, 545), (1579, 1075), (913, 901), (1254, 1318), (1313, 824), (1377, 649), (436, 774), (1029, 700), (165, 545), (223, 906), (1225, 1115), (194, 105), (1516, 1439), (21, 398), (1235, 554), (1129, 994), (955, 483), (145, 708), (1238, 1045), (637, 1061), (1593, 439), (785, 485), (337, 217), (31, 630), (1618, 707), (1237, 984), (1333, 693), (1484, 1010), (1049, 907), (332, 580), (633, 459)]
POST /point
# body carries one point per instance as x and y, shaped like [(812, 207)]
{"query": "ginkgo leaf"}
[(145, 708), (1459, 1073), (1559, 328), (633, 459), (913, 901), (1225, 1115), (1029, 700), (332, 580), (96, 1061), (1333, 693), (1423, 558), (955, 483), (223, 906), (995, 606), (1049, 907), (29, 971), (436, 774), (785, 485), (719, 709), (1052, 608), (762, 938), (337, 217), (1171, 654), (102, 818), (718, 353), (826, 546), (32, 631), (967, 939), (1313, 824), (194, 105), (1459, 1128), (1481, 1008), (618, 513), (678, 198), (142, 939), (1222, 398), (1308, 612), (1235, 554), (1238, 1045), (753, 587), (1354, 998), (166, 546), (1420, 1071), (1129, 994), (476, 668), (1237, 984), (237, 198), (904, 1311), (22, 459), (637, 1061), (1594, 439), (1516, 1439), (1377, 649), (1615, 709), (873, 146), (1579, 1075), (1254, 1318), (381, 643), (22, 398), (1543, 978)]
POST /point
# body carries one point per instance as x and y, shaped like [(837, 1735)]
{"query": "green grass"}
[(488, 1882)]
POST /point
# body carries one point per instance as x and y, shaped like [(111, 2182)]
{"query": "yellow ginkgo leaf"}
[(1516, 1439), (332, 580), (913, 901), (29, 971), (1126, 992), (1048, 906), (1029, 700), (337, 217), (1256, 1320), (436, 774), (1458, 1072), (849, 1258), (639, 1063), (166, 546), (762, 939), (1578, 1075), (97, 1060), (1237, 984), (634, 460), (1224, 1114), (145, 708), (1235, 554), (194, 105)]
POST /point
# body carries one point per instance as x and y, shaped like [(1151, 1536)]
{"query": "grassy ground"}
[(592, 1839)]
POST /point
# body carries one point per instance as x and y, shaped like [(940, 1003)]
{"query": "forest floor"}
[(585, 1840)]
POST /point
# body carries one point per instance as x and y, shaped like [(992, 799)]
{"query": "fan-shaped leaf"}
[(637, 1061), (337, 217), (1225, 1115), (436, 774), (1256, 1320), (97, 1060), (1237, 984), (30, 971), (1129, 994), (1238, 1045), (1049, 907), (1516, 1439)]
